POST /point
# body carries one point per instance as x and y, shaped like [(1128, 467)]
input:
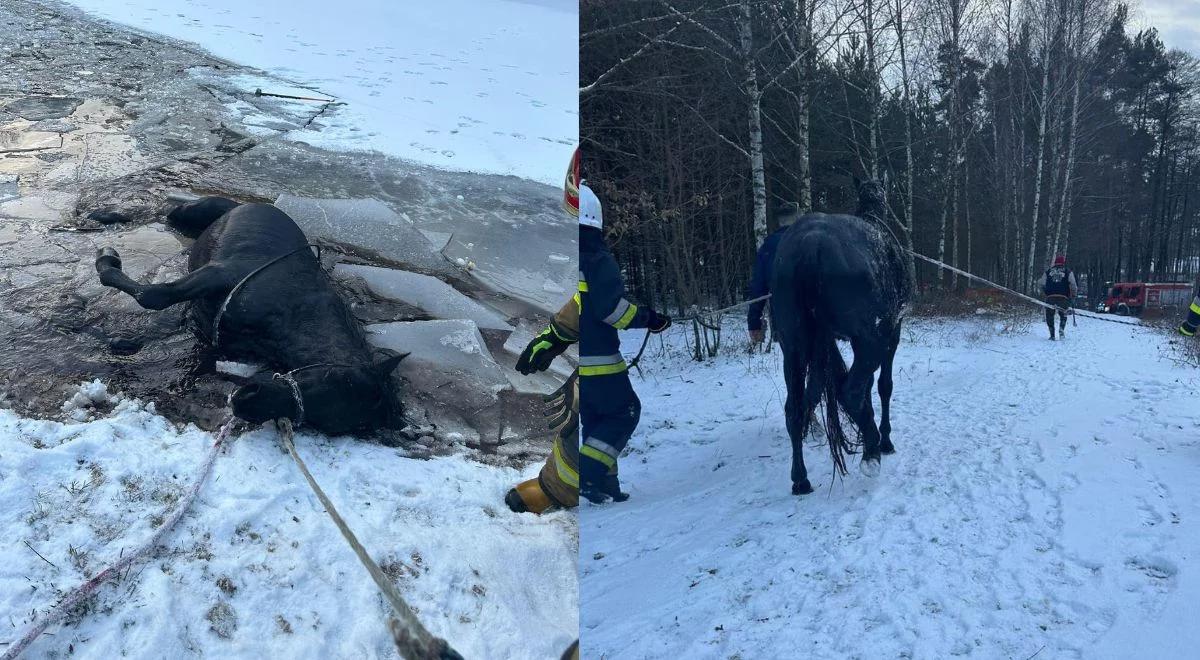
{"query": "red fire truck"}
[(1133, 298)]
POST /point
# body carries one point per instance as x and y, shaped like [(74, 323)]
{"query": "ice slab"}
[(19, 141), (425, 292), (448, 360), (8, 187), (438, 239), (526, 260), (368, 227), (36, 108)]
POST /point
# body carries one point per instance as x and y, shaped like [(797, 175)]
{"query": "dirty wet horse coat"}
[(839, 277), (286, 316)]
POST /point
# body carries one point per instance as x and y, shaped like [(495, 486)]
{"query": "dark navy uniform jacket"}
[(603, 309), (760, 278)]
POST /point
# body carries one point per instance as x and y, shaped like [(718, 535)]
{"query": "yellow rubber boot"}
[(528, 497)]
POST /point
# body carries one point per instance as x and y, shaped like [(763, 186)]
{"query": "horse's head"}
[(872, 199), (335, 399)]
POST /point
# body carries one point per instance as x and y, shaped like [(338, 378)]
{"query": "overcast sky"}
[(1178, 22)]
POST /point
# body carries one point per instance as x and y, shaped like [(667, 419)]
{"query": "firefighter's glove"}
[(658, 322), (540, 352)]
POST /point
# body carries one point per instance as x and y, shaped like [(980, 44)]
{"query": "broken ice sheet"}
[(36, 108), (8, 187), (424, 292), (368, 227), (20, 141), (523, 261)]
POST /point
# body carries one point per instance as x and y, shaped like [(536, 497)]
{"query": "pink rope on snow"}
[(88, 588)]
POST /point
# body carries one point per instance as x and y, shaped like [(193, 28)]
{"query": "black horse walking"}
[(839, 277)]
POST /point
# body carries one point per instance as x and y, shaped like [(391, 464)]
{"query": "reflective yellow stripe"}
[(1195, 307), (1183, 330), (583, 286), (564, 336), (592, 452), (565, 473), (602, 369), (626, 318)]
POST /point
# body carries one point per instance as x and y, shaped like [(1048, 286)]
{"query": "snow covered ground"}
[(256, 568), (1043, 502), (471, 85)]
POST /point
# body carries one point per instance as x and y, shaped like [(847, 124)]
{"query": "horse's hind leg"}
[(208, 280), (856, 397), (885, 393), (796, 411)]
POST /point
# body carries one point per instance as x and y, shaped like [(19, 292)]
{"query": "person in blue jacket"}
[(609, 409), (760, 278)]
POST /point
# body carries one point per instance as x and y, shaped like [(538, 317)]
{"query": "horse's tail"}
[(827, 369), (192, 218), (826, 373)]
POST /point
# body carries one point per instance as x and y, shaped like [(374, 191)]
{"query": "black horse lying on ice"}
[(839, 277), (259, 295)]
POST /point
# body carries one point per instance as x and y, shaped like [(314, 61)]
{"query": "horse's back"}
[(248, 232), (828, 245), (835, 266)]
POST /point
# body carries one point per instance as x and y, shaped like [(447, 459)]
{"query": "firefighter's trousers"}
[(609, 411)]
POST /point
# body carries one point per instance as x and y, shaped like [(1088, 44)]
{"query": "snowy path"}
[(256, 569), (1043, 497), (468, 85)]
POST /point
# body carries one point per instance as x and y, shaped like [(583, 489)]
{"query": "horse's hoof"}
[(801, 487), (107, 257), (870, 466), (887, 448)]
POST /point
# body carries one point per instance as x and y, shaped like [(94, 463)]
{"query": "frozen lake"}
[(471, 85)]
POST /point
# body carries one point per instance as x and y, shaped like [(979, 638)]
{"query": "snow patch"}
[(1041, 503), (256, 568)]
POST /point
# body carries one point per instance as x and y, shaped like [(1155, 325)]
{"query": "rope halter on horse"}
[(296, 394)]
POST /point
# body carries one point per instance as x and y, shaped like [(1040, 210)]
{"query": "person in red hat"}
[(1059, 287)]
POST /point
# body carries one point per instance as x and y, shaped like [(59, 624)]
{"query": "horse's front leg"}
[(208, 280)]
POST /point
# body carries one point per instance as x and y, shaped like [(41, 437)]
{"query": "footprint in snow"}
[(1155, 568)]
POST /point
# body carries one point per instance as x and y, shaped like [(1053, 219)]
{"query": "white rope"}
[(412, 640), (73, 599), (935, 262), (1035, 301)]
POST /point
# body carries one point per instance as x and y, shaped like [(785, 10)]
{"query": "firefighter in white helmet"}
[(609, 408)]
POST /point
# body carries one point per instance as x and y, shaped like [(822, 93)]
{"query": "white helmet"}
[(590, 213)]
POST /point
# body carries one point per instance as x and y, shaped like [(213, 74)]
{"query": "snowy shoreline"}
[(1041, 500), (256, 568)]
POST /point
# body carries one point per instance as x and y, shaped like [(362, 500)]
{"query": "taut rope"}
[(412, 640)]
